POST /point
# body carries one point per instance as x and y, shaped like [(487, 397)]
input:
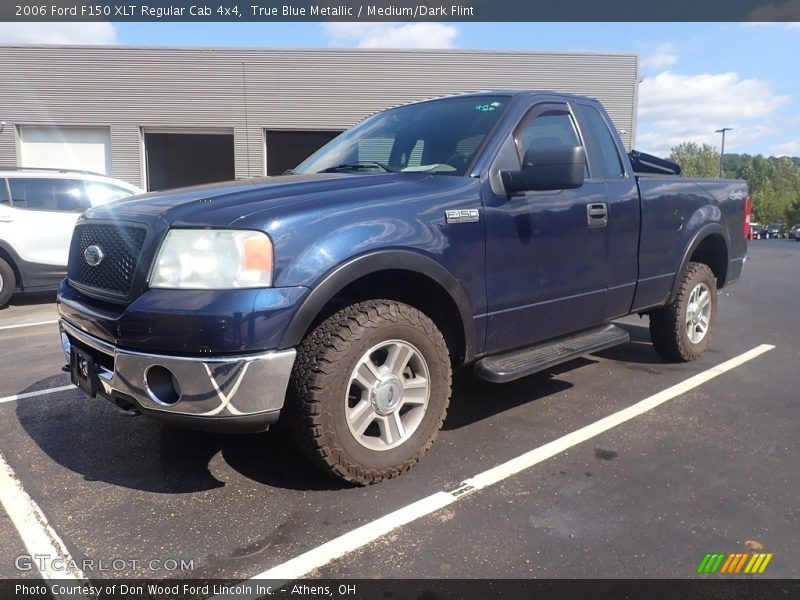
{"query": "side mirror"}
[(547, 168)]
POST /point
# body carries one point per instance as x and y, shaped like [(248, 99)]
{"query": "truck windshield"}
[(440, 136)]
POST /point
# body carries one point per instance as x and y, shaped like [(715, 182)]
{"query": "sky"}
[(695, 77)]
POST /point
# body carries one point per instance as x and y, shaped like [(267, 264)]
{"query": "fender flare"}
[(702, 234), (374, 262)]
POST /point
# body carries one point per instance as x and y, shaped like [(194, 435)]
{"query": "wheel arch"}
[(710, 247), (401, 271)]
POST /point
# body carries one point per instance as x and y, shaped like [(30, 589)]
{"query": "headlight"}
[(213, 259)]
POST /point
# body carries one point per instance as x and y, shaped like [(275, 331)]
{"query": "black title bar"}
[(399, 10)]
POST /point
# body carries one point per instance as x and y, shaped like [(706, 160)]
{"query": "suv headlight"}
[(213, 259)]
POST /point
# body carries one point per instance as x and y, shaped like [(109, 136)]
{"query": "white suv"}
[(38, 210)]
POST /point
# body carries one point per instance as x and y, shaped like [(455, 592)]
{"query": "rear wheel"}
[(680, 332), (369, 391), (8, 282)]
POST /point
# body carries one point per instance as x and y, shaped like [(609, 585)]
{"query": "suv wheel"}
[(369, 391), (680, 331), (8, 282)]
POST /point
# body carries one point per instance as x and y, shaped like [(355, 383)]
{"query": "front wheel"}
[(369, 391), (680, 331)]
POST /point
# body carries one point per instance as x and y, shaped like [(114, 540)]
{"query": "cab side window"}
[(60, 195), (546, 127), (603, 156)]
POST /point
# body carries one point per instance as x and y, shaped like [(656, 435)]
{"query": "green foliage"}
[(774, 185), (774, 182), (696, 160), (793, 213)]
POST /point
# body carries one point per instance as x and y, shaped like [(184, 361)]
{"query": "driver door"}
[(546, 263)]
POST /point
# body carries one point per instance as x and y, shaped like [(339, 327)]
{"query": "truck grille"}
[(120, 246)]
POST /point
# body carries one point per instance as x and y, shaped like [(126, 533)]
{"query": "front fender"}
[(324, 253), (343, 275)]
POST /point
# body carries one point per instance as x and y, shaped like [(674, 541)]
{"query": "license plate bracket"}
[(82, 371)]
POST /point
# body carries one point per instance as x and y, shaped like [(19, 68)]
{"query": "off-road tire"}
[(8, 282), (315, 404), (668, 325)]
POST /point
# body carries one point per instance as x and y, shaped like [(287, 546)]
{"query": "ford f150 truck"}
[(503, 230)]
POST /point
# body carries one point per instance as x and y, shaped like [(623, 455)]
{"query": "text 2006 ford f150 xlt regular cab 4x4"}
[(504, 230)]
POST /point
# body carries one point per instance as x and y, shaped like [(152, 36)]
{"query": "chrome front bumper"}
[(217, 393)]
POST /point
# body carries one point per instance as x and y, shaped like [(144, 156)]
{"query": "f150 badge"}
[(465, 215)]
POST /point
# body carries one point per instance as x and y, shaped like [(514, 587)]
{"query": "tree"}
[(767, 205), (793, 213), (774, 184), (734, 163), (696, 160)]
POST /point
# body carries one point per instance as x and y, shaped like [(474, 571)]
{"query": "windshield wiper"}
[(360, 165)]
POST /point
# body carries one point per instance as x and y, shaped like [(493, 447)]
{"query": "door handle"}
[(597, 214)]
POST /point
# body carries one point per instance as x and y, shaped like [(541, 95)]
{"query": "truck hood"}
[(220, 205)]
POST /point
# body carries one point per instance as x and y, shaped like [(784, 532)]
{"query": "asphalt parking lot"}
[(713, 469)]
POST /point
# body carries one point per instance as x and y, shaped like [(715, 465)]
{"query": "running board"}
[(509, 366)]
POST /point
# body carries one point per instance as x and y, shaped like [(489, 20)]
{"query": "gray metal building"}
[(160, 117)]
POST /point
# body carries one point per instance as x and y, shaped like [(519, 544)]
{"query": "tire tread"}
[(318, 359), (666, 324)]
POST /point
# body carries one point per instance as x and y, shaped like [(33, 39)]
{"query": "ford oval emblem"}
[(93, 255)]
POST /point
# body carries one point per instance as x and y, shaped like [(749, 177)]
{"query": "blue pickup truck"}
[(502, 230)]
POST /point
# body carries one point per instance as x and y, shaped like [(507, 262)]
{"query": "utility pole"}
[(722, 153)]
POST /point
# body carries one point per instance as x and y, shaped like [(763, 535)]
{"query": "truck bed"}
[(674, 212)]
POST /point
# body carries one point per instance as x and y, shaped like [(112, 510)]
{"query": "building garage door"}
[(83, 148), (180, 158), (287, 149)]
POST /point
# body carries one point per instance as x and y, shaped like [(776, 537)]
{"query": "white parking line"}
[(28, 324), (336, 548), (36, 533), (537, 455), (16, 397), (357, 538)]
